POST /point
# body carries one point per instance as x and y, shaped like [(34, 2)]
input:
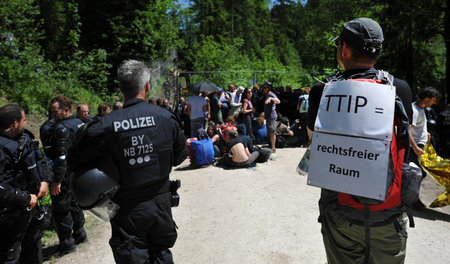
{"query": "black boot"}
[(80, 236)]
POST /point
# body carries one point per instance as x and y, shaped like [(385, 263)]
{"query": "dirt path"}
[(267, 215)]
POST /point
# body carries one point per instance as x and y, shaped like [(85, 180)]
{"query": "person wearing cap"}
[(270, 113), (235, 101), (345, 238)]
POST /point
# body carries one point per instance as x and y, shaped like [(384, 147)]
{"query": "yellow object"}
[(439, 169)]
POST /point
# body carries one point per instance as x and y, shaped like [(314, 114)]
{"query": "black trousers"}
[(13, 227), (67, 214), (303, 131), (31, 245), (144, 233)]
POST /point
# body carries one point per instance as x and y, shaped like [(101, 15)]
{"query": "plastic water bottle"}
[(302, 167)]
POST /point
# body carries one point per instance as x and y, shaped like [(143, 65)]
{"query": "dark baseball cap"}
[(233, 133), (268, 84), (363, 33)]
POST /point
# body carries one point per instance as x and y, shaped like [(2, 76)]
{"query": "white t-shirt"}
[(196, 103), (419, 125)]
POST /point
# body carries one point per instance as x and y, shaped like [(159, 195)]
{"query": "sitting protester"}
[(238, 155), (202, 149), (217, 139), (285, 137), (260, 131), (242, 132), (229, 125)]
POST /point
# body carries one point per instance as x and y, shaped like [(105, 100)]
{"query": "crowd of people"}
[(269, 116), (128, 136)]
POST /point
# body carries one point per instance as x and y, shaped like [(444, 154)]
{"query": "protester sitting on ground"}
[(238, 155), (217, 138), (260, 130), (285, 136), (242, 131), (151, 100), (229, 125)]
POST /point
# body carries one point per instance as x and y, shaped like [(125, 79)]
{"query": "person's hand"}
[(33, 201), (56, 188), (419, 152), (429, 136), (268, 100), (43, 190), (253, 110)]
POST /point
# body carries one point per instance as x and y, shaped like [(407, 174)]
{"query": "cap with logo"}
[(363, 33)]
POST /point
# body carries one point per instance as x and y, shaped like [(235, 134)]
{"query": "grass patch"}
[(50, 237)]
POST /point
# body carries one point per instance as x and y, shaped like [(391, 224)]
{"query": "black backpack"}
[(264, 154)]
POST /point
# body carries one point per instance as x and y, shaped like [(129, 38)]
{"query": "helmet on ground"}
[(93, 187)]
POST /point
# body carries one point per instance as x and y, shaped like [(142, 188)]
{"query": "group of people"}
[(71, 145), (26, 176), (259, 114), (141, 142)]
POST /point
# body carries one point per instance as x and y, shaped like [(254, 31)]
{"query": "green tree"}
[(143, 30)]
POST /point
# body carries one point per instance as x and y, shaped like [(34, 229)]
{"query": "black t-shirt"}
[(234, 141), (402, 89)]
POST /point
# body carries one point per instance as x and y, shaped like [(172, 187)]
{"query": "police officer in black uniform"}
[(145, 141), (24, 178), (66, 212)]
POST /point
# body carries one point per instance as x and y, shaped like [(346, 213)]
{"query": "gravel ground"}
[(266, 215)]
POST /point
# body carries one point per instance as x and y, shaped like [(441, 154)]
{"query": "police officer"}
[(45, 132), (24, 178), (145, 141), (83, 113), (66, 212)]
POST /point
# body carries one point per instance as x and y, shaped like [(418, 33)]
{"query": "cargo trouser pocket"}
[(127, 248)]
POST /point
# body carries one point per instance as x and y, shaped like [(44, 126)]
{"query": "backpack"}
[(398, 177), (203, 151), (264, 154), (304, 103)]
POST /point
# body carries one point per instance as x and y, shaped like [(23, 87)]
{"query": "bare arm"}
[(419, 152), (188, 110), (245, 110), (247, 152)]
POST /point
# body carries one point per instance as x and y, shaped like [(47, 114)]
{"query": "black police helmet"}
[(93, 187)]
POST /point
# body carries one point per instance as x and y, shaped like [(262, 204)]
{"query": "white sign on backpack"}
[(357, 108), (352, 165), (351, 141)]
